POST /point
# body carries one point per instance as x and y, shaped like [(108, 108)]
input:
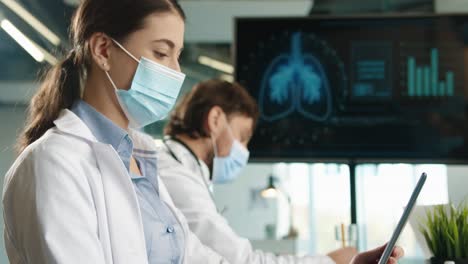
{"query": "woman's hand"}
[(343, 255), (373, 256)]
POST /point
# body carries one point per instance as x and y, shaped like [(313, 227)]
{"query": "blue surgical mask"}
[(226, 169), (152, 94)]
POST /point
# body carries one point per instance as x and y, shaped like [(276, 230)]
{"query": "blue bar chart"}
[(427, 80)]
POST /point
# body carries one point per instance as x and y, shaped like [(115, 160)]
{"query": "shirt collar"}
[(105, 130)]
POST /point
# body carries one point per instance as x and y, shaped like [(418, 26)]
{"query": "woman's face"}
[(161, 40)]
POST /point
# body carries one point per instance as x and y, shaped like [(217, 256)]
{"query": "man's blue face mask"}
[(226, 169), (152, 94)]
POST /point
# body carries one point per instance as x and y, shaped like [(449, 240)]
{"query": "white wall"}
[(457, 183), (247, 218), (11, 122)]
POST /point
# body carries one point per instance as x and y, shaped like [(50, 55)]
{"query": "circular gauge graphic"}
[(296, 73)]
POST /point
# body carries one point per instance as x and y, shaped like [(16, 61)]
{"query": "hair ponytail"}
[(59, 89)]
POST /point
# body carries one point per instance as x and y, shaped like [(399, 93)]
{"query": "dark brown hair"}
[(61, 85), (189, 116)]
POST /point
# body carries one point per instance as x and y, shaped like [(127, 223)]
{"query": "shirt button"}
[(170, 230)]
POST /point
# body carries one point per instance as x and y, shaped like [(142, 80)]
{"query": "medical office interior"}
[(357, 99)]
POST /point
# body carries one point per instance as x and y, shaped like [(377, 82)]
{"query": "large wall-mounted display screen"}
[(383, 88)]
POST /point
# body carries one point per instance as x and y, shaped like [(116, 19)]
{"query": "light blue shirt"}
[(164, 236)]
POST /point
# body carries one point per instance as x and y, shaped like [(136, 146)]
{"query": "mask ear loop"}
[(110, 79), (233, 139), (230, 132), (128, 53), (213, 141), (125, 50)]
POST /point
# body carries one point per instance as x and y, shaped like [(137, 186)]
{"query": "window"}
[(320, 198), (383, 191)]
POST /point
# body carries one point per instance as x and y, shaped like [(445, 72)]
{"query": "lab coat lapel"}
[(69, 123), (123, 213), (122, 209)]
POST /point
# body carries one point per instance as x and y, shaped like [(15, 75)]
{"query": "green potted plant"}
[(445, 230)]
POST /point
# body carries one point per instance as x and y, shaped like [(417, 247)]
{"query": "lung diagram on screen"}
[(295, 83)]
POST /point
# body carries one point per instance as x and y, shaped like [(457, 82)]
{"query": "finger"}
[(398, 252), (352, 250), (392, 261), (378, 251), (371, 255)]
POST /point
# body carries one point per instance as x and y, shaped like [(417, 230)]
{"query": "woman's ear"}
[(214, 122), (100, 48)]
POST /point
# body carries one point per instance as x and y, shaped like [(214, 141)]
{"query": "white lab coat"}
[(186, 182), (69, 199)]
